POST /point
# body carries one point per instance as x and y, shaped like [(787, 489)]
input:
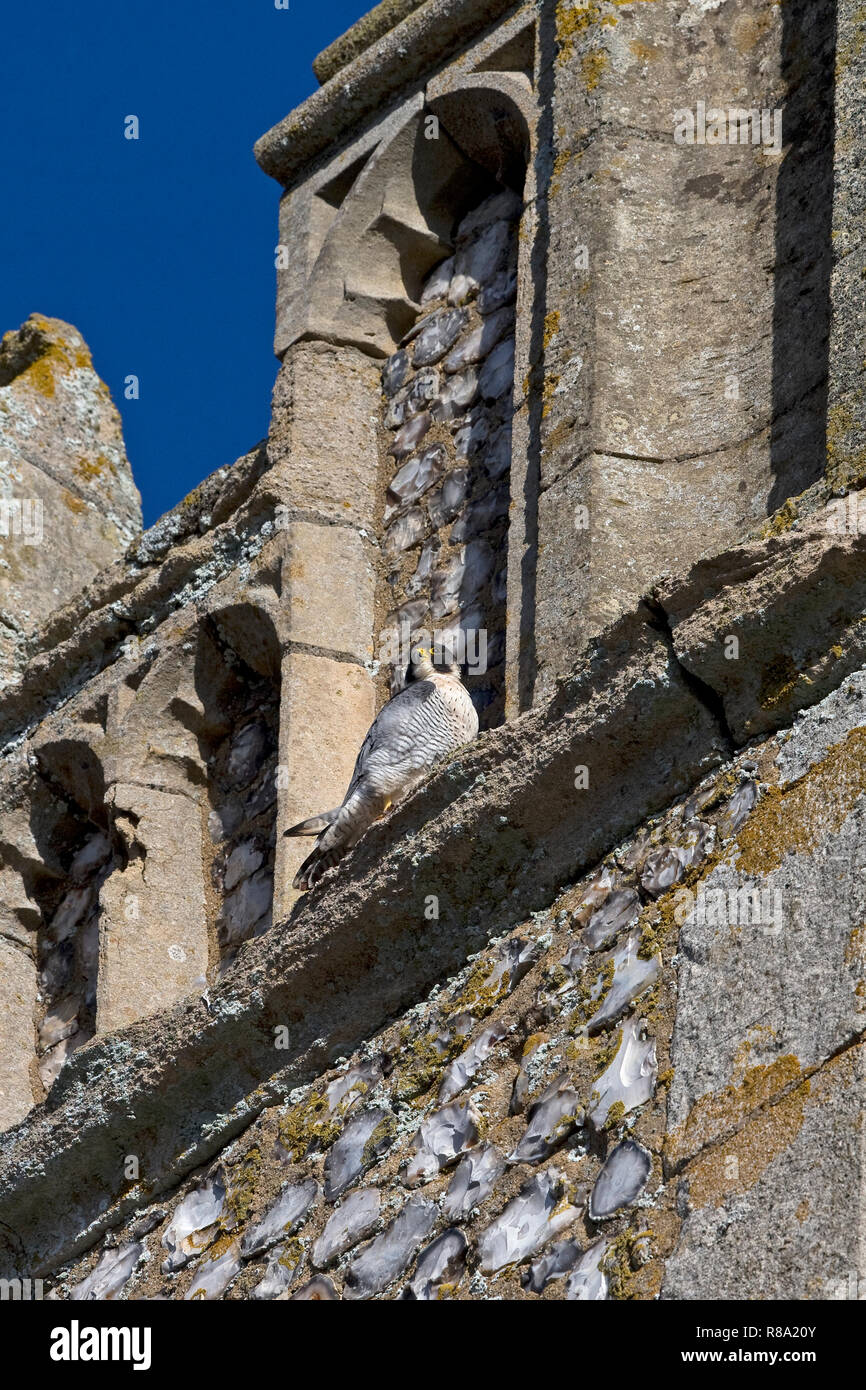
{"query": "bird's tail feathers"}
[(314, 825), (314, 866)]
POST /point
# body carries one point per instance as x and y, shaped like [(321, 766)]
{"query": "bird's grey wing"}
[(392, 727)]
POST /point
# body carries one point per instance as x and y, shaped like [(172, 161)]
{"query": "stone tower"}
[(569, 331)]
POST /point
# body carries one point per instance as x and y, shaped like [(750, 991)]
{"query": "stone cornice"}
[(417, 46)]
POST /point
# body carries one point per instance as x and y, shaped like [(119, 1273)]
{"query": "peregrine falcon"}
[(431, 718)]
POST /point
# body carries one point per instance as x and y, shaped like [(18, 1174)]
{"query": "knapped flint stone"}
[(496, 380), (282, 1218), (413, 398), (445, 587), (475, 346), (397, 414), (244, 859), (588, 1283), (93, 852), (480, 516), (504, 206), (552, 1117), (362, 1143), (60, 1022), (248, 751), (58, 967), (422, 389), (214, 1276), (629, 1080), (405, 531), (620, 910), (319, 1290), (408, 616), (558, 1260), (358, 1081), (423, 570), (535, 1216), (571, 965), (476, 1176), (663, 868), (464, 627), (356, 1215), (738, 809), (437, 282), (395, 372), (622, 1179), (439, 333), (443, 1262), (193, 1225), (462, 1070), (595, 895), (386, 1257), (73, 907), (461, 289), (501, 291), (110, 1275), (496, 456), (471, 433), (444, 504), (482, 259), (281, 1272), (247, 906), (456, 395), (409, 436), (514, 958), (415, 476), (440, 1141), (631, 976)]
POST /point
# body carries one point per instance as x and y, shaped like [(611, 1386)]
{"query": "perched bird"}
[(425, 722)]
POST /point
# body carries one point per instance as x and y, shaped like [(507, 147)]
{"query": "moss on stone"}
[(614, 1114), (308, 1125)]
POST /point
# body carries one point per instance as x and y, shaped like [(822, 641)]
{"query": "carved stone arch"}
[(491, 118), (250, 627), (398, 218)]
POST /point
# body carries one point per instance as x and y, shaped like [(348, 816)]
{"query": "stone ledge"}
[(495, 835), (356, 40), (418, 45)]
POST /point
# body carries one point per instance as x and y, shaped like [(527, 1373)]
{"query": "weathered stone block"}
[(328, 586), (153, 947), (323, 434), (326, 709), (17, 1055), (776, 1210)]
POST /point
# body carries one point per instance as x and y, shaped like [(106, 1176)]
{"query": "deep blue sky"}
[(160, 251)]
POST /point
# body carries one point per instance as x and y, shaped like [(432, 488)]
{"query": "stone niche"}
[(404, 254), (138, 843)]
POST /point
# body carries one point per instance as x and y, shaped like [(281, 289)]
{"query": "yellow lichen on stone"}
[(574, 20), (797, 819), (308, 1125), (719, 1113), (241, 1187), (551, 326), (592, 65), (737, 1164), (778, 681)]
